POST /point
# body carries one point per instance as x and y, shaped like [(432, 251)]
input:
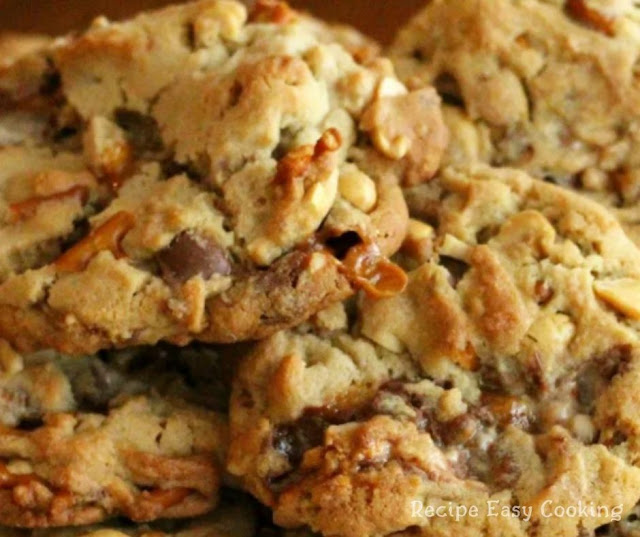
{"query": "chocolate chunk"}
[(143, 131), (190, 254), (294, 440), (457, 269)]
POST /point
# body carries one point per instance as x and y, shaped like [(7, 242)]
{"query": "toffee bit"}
[(376, 275), (296, 163)]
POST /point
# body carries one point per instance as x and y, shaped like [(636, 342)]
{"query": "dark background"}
[(378, 18)]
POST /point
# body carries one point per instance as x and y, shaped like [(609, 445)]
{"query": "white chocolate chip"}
[(357, 188), (622, 295)]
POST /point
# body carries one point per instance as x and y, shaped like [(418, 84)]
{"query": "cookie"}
[(228, 520), (500, 382), (546, 86), (15, 45), (225, 181), (140, 434)]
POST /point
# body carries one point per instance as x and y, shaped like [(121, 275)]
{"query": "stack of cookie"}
[(256, 279)]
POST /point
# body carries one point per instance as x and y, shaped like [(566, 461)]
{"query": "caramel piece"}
[(296, 163), (373, 272)]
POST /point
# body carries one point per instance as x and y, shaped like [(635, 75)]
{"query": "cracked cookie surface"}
[(139, 434), (223, 182), (503, 375), (547, 86)]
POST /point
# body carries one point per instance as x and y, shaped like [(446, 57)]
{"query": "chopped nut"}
[(418, 244), (394, 148), (357, 188), (332, 318), (306, 184), (107, 237), (390, 87), (453, 247), (623, 295), (418, 231)]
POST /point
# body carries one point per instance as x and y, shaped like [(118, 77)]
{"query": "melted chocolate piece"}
[(189, 255)]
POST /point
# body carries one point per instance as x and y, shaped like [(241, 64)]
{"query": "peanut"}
[(453, 247), (357, 188), (623, 295), (418, 244), (390, 87), (395, 148)]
